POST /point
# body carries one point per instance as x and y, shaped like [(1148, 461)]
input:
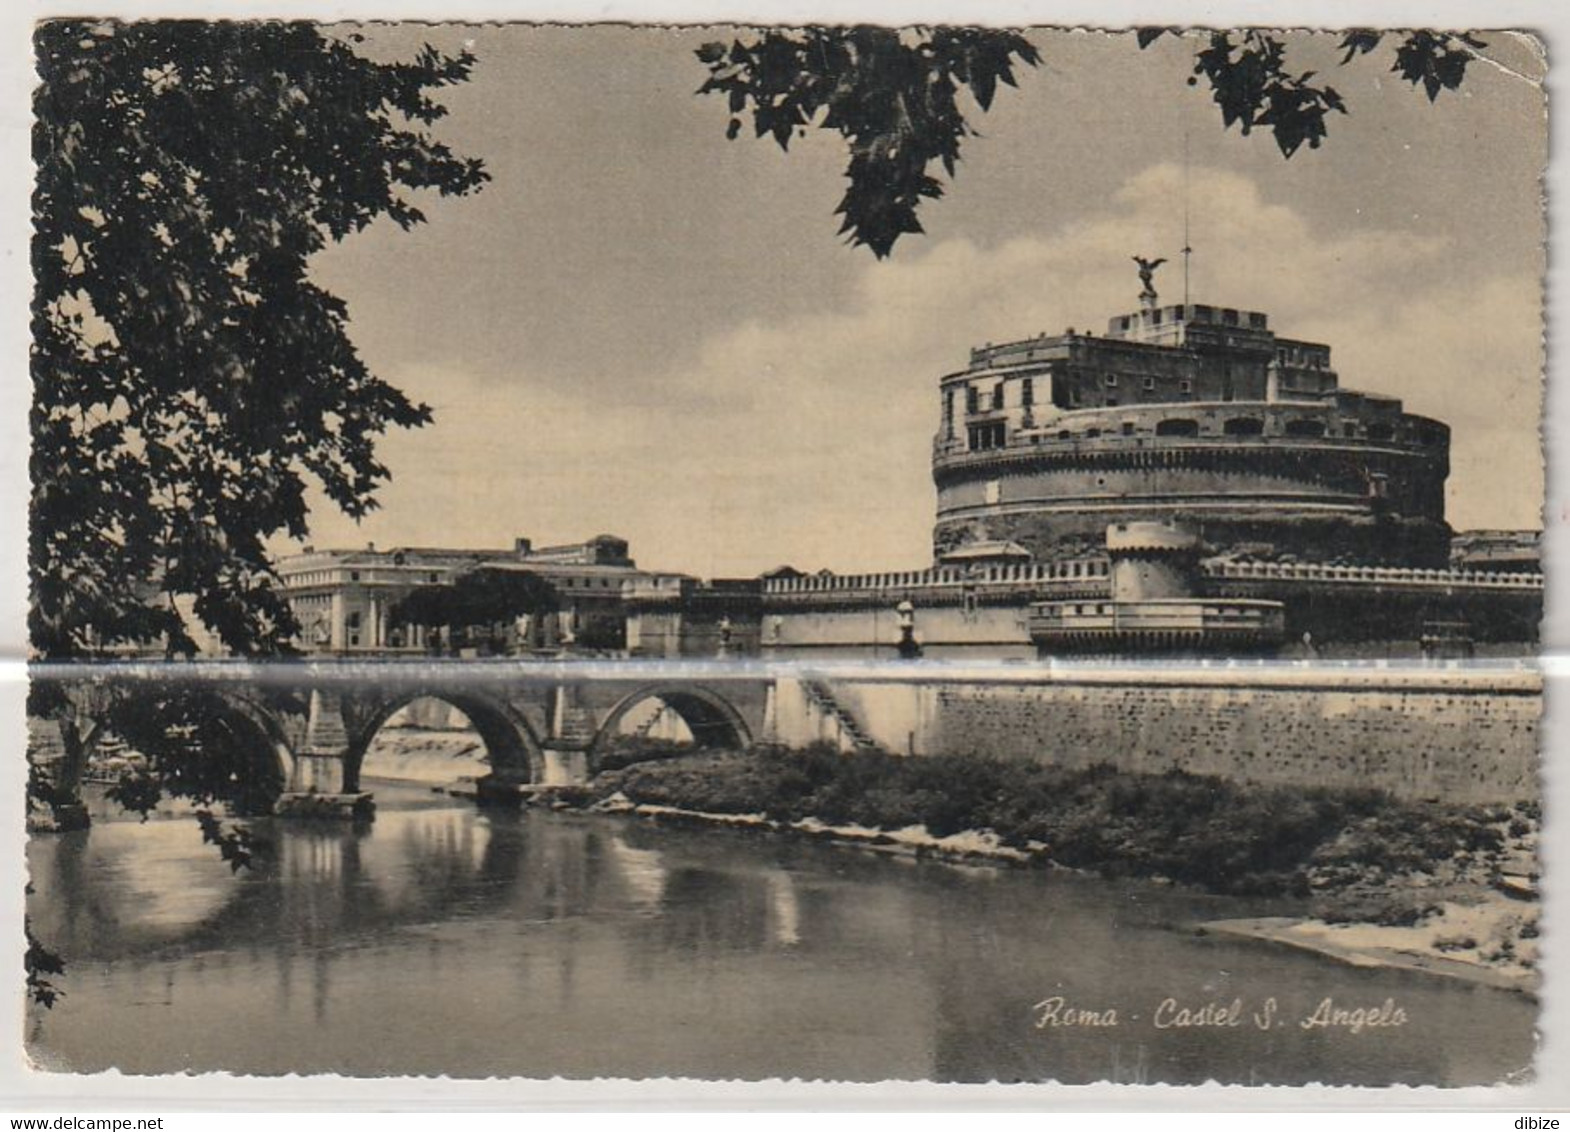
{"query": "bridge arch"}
[(712, 719), (255, 727), (511, 745)]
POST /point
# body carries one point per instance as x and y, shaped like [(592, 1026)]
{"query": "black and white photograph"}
[(850, 553)]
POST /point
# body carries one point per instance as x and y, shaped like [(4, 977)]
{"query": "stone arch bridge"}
[(308, 725)]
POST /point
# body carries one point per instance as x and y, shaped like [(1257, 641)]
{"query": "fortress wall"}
[(1311, 537), (1304, 496), (871, 633), (1068, 487), (1345, 621), (1451, 735)]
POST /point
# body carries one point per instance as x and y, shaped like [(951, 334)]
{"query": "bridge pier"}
[(565, 766), (323, 783), (560, 766)]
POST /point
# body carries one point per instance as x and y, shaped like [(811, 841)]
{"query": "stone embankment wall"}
[(1421, 733)]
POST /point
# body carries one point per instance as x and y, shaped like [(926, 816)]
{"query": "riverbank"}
[(1480, 942), (1432, 886)]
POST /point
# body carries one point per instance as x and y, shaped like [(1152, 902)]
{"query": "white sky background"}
[(639, 327)]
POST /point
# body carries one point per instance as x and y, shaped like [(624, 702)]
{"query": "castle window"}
[(354, 575), (1185, 386), (353, 620), (1092, 433), (972, 399), (1150, 383), (1243, 426), (1304, 426), (1128, 428), (435, 577), (1065, 434), (1112, 380), (1027, 393), (997, 396), (987, 436), (1178, 426)]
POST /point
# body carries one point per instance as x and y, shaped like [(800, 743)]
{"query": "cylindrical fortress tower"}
[(1152, 561), (1185, 413)]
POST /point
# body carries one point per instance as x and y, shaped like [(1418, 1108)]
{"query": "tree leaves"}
[(1435, 60), (234, 844), (479, 597), (39, 963), (891, 96), (188, 377), (1250, 83), (198, 745), (1252, 86)]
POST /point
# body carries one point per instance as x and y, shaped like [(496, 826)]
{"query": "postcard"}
[(852, 553)]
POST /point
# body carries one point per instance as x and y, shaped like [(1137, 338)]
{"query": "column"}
[(335, 620)]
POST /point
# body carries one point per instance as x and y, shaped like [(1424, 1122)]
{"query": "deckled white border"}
[(21, 1090)]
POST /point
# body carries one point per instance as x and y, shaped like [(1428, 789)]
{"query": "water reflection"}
[(441, 940)]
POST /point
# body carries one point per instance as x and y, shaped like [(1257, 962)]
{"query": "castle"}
[(1187, 483), (1189, 412)]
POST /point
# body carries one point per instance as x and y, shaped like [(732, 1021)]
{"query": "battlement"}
[(1175, 325), (1095, 572), (1219, 569), (1078, 571)]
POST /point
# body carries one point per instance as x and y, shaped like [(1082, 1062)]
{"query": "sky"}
[(639, 327)]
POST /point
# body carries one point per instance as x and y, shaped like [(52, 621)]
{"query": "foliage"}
[(1201, 830), (40, 963), (188, 375), (892, 96), (198, 746), (1252, 86), (485, 596)]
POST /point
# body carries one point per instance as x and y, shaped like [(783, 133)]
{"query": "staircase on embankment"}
[(822, 699)]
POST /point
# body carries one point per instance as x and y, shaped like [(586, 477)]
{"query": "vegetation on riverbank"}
[(1386, 880), (1210, 832)]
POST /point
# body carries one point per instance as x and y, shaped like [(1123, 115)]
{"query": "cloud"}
[(808, 440)]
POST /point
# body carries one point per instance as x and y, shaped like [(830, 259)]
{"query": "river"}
[(446, 940)]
